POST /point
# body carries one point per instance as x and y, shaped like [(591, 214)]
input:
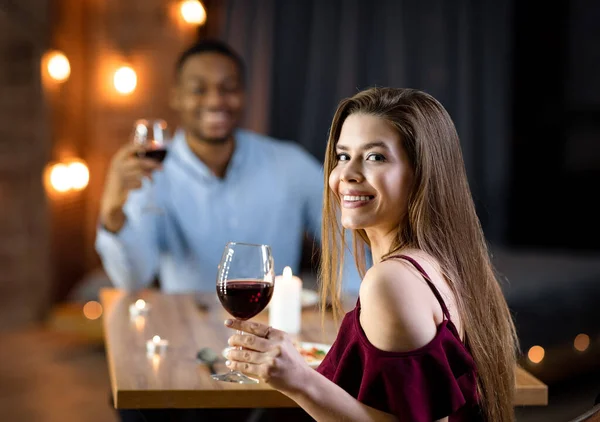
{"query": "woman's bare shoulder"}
[(397, 312)]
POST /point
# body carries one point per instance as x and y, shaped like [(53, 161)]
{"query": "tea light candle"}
[(285, 308), (139, 308), (157, 346)]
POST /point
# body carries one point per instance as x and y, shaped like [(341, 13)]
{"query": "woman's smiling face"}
[(372, 177)]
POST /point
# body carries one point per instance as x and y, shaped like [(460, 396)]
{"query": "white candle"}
[(139, 308), (285, 308), (156, 346)]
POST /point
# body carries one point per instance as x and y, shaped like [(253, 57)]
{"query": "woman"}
[(431, 337)]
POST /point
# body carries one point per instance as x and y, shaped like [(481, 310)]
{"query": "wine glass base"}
[(236, 377)]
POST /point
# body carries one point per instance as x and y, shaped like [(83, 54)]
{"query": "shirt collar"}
[(190, 161)]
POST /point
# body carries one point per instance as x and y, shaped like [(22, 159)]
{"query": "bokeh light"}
[(58, 66), (125, 80), (582, 342), (536, 354), (193, 12), (92, 310)]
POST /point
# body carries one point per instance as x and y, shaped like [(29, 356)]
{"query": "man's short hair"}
[(210, 46)]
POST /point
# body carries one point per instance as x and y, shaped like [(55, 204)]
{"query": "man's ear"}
[(174, 98)]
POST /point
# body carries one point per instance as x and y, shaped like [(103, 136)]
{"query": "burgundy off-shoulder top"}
[(421, 385)]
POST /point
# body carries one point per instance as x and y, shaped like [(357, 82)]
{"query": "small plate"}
[(313, 353)]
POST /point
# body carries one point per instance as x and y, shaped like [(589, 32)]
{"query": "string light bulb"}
[(125, 80), (58, 66), (192, 11)]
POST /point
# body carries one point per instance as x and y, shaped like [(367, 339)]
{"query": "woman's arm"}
[(271, 355), (326, 401)]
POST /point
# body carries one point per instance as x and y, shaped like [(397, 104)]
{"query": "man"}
[(217, 184)]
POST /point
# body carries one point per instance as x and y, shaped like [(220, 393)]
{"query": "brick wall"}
[(24, 149), (46, 241)]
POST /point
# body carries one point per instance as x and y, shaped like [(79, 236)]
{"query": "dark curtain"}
[(304, 56)]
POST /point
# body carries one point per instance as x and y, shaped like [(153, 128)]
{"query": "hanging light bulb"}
[(59, 178), (193, 12), (125, 80), (79, 175), (69, 175), (58, 66)]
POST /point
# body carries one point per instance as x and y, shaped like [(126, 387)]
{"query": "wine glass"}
[(153, 136), (245, 283)]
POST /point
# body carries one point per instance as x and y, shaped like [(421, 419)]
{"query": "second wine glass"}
[(245, 284), (153, 136)]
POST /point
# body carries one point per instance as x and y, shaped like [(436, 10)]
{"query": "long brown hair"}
[(442, 222)]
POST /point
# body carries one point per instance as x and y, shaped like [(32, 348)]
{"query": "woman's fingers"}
[(249, 341), (251, 327), (250, 356), (245, 367), (262, 365)]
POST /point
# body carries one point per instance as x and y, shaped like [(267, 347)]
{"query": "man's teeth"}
[(215, 116), (352, 198)]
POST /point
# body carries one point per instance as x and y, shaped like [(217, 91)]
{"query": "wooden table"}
[(177, 380)]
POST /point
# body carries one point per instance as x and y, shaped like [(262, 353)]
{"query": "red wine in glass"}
[(152, 136), (245, 299), (158, 154), (245, 283)]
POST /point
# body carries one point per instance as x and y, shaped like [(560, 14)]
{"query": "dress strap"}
[(434, 289)]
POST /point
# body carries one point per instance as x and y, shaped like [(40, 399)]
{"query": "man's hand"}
[(125, 174)]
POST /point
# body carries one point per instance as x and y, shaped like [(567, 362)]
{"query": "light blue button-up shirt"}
[(271, 194)]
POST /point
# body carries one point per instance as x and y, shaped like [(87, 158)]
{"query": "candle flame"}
[(287, 273), (140, 304), (140, 323), (156, 339), (155, 361)]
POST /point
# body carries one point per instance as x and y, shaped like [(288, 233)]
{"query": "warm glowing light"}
[(287, 273), (193, 12), (59, 178), (140, 304), (125, 80), (156, 339), (58, 65), (155, 361), (140, 323), (92, 310), (79, 175), (582, 342), (536, 354), (68, 175)]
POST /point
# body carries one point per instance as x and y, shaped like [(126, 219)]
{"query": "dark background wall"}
[(556, 126)]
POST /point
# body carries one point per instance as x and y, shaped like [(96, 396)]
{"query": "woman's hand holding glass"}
[(267, 354)]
